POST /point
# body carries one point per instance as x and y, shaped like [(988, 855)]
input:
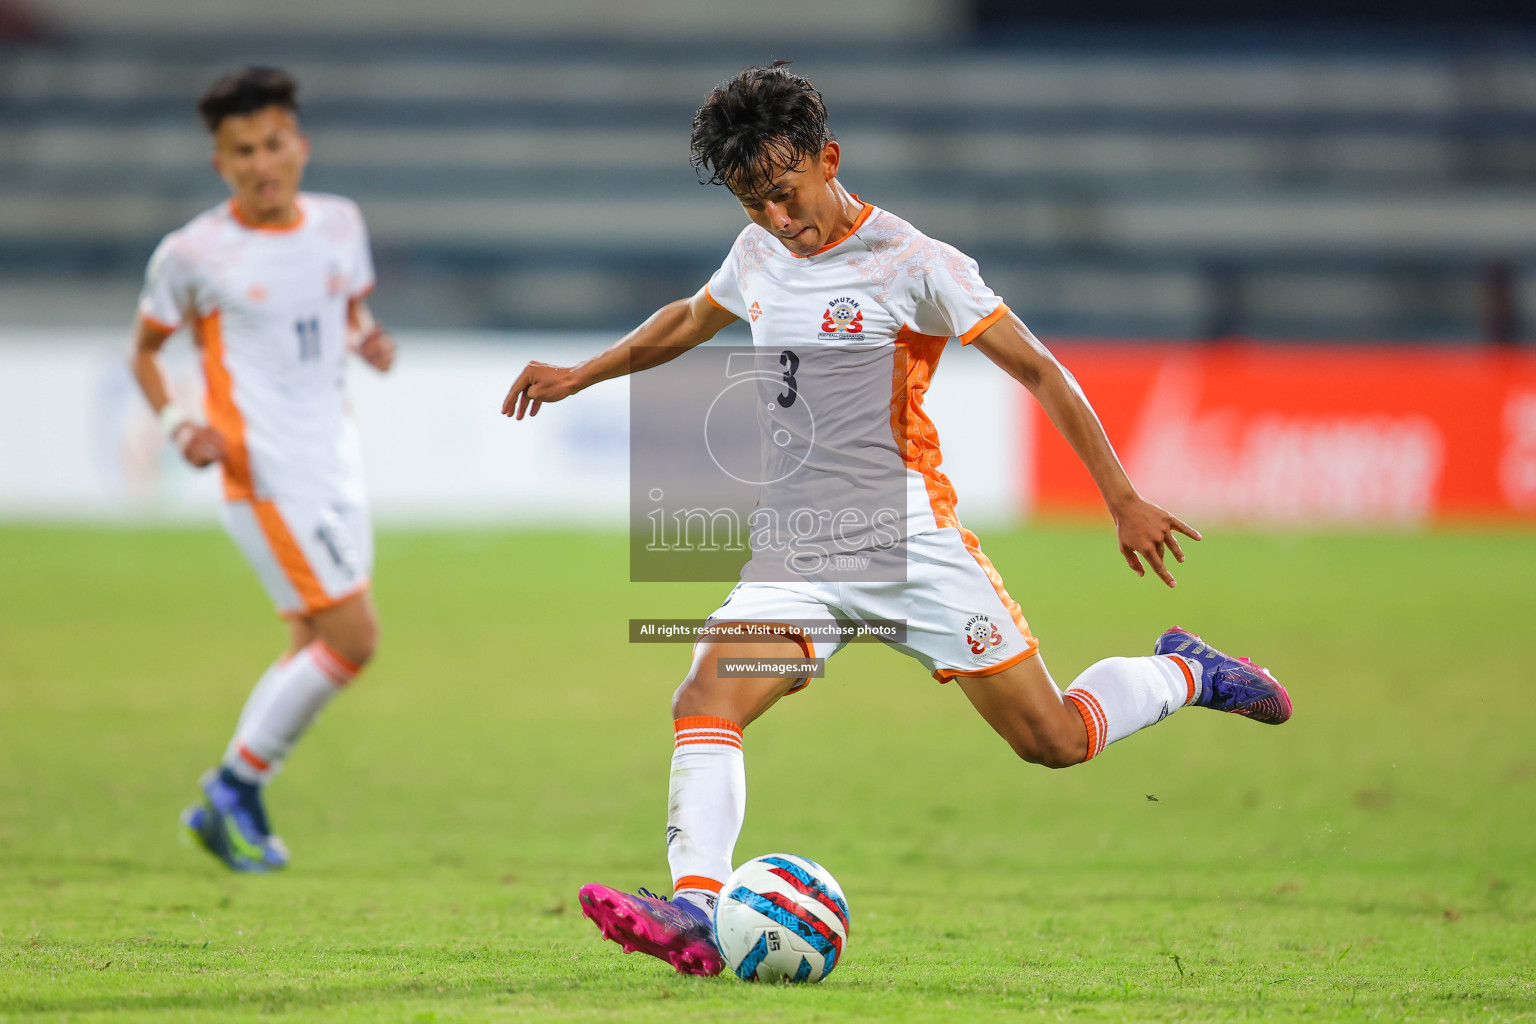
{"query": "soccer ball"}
[(781, 918)]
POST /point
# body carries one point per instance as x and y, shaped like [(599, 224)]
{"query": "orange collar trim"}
[(234, 211), (858, 222)]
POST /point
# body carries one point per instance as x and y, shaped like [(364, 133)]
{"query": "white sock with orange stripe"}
[(283, 704), (1119, 696), (706, 804), (261, 693)]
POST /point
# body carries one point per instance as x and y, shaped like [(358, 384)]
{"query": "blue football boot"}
[(1234, 685), (231, 824)]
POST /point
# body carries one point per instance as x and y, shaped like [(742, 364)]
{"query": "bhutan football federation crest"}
[(842, 321), (983, 637)]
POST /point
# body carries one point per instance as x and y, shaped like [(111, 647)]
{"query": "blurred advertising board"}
[(1272, 436), (1304, 435)]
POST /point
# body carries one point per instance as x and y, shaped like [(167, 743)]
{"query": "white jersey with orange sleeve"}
[(858, 328), (268, 308)]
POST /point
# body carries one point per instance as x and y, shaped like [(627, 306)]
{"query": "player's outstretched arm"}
[(668, 333), (1143, 528), (199, 445)]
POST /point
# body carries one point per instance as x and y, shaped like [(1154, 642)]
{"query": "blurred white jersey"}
[(268, 307)]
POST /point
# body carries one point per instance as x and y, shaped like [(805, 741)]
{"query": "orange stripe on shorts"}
[(290, 557)]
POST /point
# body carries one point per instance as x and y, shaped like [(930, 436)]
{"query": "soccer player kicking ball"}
[(272, 285), (812, 255)]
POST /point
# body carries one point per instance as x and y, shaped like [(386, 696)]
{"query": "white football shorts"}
[(958, 619), (309, 554)]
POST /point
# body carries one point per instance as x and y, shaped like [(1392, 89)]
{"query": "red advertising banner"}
[(1303, 435)]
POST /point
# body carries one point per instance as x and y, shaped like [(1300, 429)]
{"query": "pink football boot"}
[(677, 932)]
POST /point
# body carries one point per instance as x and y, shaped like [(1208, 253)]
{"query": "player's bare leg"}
[(740, 699), (350, 628), (327, 649), (1116, 697), (706, 804), (1024, 706)]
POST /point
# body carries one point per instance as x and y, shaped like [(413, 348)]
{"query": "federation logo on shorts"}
[(983, 636), (843, 321)]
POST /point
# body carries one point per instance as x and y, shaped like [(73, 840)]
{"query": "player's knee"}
[(358, 643), (1065, 750), (692, 698), (367, 643), (1060, 757), (705, 693), (1049, 750), (1046, 757)]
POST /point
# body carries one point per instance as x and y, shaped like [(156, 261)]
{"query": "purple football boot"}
[(672, 930), (1235, 685)]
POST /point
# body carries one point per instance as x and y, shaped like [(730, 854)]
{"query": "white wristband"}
[(172, 418)]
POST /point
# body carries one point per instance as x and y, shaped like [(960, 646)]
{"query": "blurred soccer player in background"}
[(272, 286), (817, 269)]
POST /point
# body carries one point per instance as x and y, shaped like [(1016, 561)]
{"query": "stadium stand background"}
[(525, 165)]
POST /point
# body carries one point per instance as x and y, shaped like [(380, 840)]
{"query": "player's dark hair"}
[(766, 119), (245, 92)]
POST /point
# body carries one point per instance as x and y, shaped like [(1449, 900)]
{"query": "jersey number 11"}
[(309, 338)]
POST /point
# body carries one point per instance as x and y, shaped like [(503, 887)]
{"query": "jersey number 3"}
[(791, 363)]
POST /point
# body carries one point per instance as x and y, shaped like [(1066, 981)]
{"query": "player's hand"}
[(1145, 530), (377, 349), (537, 384), (201, 446)]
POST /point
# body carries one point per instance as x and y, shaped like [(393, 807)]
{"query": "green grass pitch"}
[(1374, 859)]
